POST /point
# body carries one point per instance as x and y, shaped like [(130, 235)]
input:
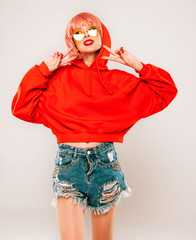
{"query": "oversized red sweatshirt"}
[(82, 103)]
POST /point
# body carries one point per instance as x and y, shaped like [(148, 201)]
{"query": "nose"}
[(86, 33)]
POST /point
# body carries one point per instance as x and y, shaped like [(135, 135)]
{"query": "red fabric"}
[(81, 103)]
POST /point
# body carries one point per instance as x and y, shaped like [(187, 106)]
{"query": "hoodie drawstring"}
[(101, 80), (86, 87)]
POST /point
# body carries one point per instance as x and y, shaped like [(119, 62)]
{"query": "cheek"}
[(78, 44), (99, 39)]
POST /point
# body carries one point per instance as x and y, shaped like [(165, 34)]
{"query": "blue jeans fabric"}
[(92, 177)]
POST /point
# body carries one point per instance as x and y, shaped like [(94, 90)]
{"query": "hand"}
[(125, 58), (55, 60)]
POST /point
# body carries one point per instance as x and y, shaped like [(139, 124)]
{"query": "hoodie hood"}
[(98, 64)]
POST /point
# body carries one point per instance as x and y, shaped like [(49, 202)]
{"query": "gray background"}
[(158, 153)]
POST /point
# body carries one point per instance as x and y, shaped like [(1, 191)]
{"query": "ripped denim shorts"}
[(92, 177)]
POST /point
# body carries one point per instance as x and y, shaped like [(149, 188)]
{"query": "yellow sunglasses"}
[(79, 33)]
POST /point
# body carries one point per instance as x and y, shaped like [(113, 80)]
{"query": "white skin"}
[(90, 52), (70, 217)]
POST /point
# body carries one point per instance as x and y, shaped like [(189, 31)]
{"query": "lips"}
[(88, 42)]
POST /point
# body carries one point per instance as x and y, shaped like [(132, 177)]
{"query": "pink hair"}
[(76, 22)]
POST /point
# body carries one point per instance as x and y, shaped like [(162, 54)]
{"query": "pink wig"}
[(76, 22)]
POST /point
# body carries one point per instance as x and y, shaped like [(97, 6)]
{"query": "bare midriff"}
[(85, 145)]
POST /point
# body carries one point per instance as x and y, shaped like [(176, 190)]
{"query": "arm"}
[(152, 92), (157, 90), (26, 100)]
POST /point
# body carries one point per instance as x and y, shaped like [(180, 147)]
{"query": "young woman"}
[(88, 107)]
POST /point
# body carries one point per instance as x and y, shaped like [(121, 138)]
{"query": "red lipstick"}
[(88, 42)]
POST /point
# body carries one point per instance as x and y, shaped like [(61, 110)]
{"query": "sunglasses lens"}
[(93, 31), (78, 36)]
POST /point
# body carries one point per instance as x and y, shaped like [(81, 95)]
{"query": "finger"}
[(66, 53), (115, 59), (70, 59), (67, 61), (110, 50), (120, 52), (109, 58), (58, 56), (54, 54)]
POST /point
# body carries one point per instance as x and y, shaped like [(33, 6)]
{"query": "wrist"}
[(43, 67), (138, 67)]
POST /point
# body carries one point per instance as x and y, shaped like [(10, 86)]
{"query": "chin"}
[(93, 51)]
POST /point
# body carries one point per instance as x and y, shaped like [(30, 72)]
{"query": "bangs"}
[(77, 22), (80, 22)]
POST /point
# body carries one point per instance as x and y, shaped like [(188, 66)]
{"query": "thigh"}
[(103, 224), (70, 219), (107, 183), (69, 179), (69, 197)]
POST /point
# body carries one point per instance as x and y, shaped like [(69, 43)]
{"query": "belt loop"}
[(75, 152), (95, 153)]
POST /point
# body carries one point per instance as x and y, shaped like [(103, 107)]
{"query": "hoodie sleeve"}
[(152, 92), (25, 102)]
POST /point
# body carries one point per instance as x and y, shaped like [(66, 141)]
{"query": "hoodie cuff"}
[(143, 70), (44, 69)]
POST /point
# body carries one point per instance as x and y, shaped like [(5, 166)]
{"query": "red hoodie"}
[(82, 103)]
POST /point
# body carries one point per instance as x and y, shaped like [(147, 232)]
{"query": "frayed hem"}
[(82, 203), (104, 209)]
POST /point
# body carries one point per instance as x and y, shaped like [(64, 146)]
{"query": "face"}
[(87, 32)]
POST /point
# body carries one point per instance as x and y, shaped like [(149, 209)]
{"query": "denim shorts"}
[(92, 177)]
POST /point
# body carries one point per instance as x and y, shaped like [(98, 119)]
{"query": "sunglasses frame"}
[(83, 32)]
